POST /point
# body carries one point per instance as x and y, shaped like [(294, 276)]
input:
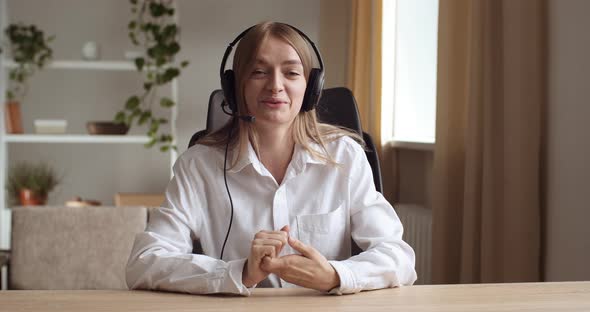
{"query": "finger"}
[(278, 235), (267, 241), (281, 237), (306, 250), (264, 232), (278, 245), (286, 228), (260, 252)]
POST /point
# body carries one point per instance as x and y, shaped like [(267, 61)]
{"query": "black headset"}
[(313, 90)]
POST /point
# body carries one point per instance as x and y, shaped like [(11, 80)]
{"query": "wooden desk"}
[(570, 296)]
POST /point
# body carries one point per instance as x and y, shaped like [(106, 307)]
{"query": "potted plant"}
[(153, 27), (29, 184), (30, 51)]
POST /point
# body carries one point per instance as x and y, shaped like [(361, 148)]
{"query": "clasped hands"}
[(310, 269)]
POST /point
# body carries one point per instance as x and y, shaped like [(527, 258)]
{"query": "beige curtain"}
[(487, 162), (364, 64)]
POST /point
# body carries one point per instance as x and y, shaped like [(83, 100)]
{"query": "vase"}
[(30, 198), (13, 118), (90, 51)]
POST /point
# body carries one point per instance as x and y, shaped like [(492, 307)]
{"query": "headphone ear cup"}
[(313, 91), (229, 92)]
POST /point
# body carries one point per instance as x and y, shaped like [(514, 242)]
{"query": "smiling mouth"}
[(274, 103)]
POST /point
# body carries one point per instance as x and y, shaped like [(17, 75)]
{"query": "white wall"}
[(568, 146), (98, 171)]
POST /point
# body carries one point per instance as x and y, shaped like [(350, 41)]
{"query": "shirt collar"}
[(246, 159), (300, 159)]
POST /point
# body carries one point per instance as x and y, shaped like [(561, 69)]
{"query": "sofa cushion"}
[(72, 247)]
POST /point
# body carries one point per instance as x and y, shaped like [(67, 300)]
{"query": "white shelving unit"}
[(6, 140), (82, 65), (75, 138)]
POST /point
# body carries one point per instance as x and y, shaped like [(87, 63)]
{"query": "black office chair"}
[(337, 106)]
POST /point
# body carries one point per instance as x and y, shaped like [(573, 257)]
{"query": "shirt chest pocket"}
[(325, 232)]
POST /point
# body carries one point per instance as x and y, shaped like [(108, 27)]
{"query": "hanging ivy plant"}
[(30, 51), (153, 28)]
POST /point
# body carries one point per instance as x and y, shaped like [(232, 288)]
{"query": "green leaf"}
[(139, 62), (164, 148), (150, 143), (184, 64), (170, 74), (157, 51), (157, 9), (120, 117), (133, 1), (132, 103), (173, 48), (132, 25), (160, 61), (132, 116), (154, 127), (147, 86), (166, 102), (169, 31), (155, 30), (144, 117)]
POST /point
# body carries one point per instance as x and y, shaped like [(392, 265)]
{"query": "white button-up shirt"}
[(324, 205)]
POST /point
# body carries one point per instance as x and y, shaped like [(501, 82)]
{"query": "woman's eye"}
[(258, 72)]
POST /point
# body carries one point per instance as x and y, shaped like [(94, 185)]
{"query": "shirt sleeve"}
[(161, 257), (387, 261)]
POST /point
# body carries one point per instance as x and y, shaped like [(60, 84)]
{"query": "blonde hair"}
[(306, 128)]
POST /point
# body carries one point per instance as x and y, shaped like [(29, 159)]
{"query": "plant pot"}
[(30, 198), (12, 117)]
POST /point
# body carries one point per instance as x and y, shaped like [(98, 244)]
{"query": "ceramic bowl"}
[(106, 127)]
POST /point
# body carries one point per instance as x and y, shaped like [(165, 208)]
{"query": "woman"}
[(300, 189)]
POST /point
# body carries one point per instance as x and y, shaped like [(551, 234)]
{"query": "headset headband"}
[(243, 33)]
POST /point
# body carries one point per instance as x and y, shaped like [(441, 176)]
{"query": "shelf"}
[(80, 64), (75, 138)]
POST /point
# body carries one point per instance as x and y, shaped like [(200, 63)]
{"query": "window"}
[(409, 70)]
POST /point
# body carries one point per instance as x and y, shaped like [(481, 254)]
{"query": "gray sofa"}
[(71, 247)]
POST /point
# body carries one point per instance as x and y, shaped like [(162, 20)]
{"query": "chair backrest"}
[(72, 247), (337, 106)]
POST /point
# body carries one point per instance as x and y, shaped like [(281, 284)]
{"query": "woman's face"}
[(275, 85)]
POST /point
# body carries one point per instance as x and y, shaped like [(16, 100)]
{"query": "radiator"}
[(417, 222)]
